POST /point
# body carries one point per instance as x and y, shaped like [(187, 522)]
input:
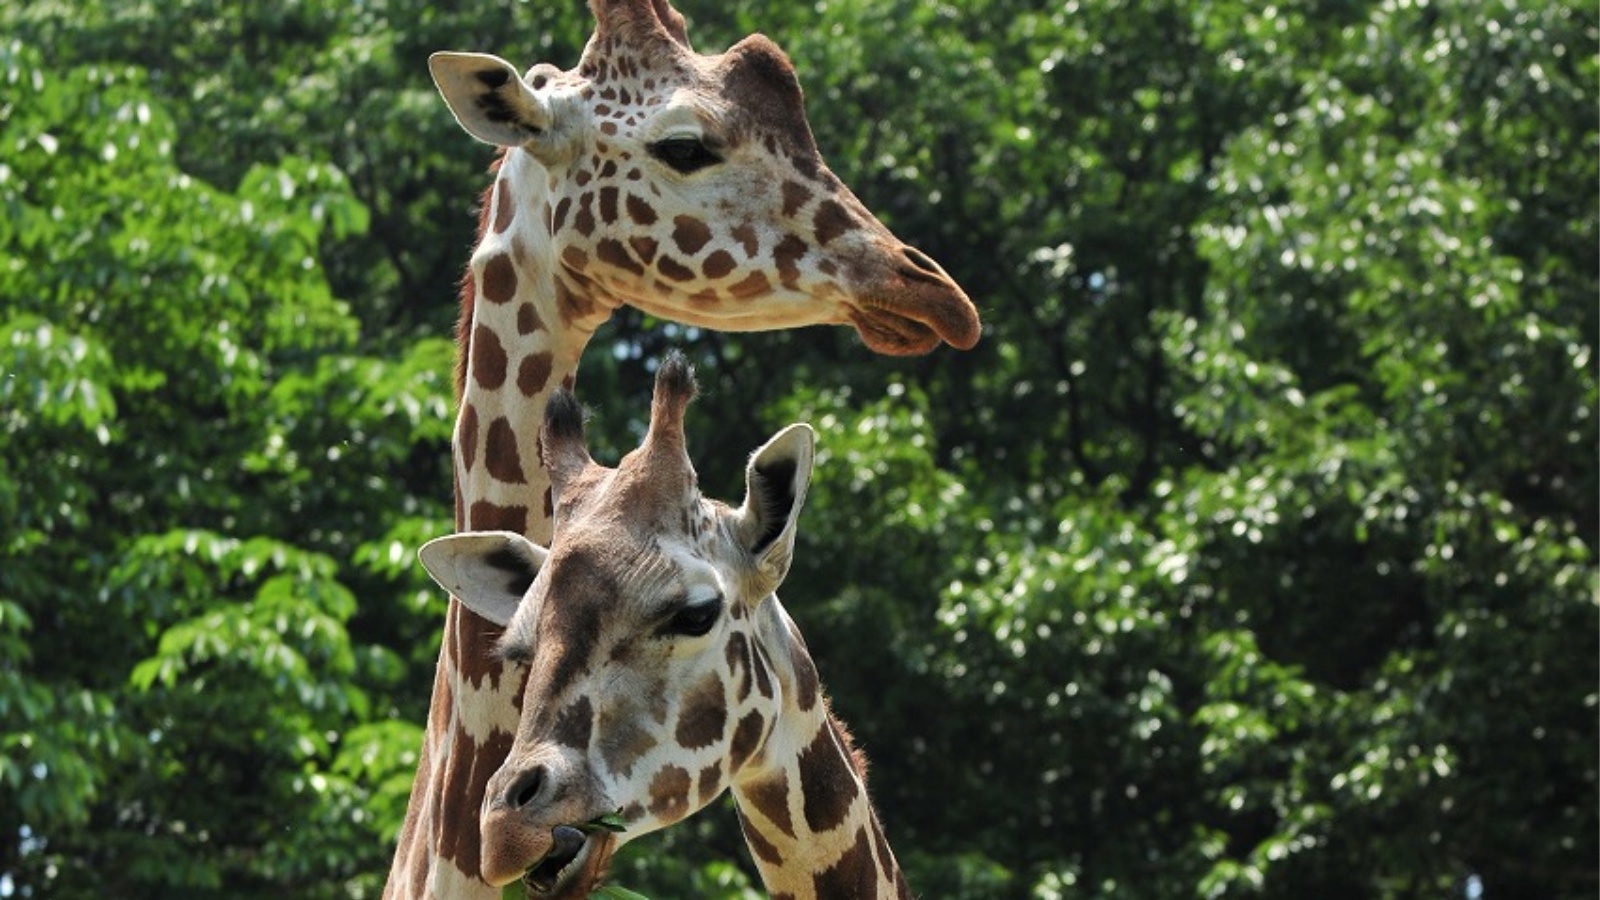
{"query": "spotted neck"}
[(524, 326), (802, 798)]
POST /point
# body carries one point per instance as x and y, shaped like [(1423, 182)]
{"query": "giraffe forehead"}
[(623, 576)]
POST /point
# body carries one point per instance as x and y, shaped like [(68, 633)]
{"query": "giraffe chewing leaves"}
[(569, 842)]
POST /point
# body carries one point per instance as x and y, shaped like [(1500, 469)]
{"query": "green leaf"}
[(612, 892), (612, 822)]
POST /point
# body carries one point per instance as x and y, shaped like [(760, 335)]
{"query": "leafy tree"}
[(174, 635), (1252, 553)]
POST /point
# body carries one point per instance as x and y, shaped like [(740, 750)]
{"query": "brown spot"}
[(486, 516), (703, 715), (763, 670), (710, 783), (467, 433), (608, 202), (706, 297), (673, 269), (549, 504), (488, 359), (584, 220), (770, 796), (644, 248), (563, 206), (827, 783), (738, 653), (669, 794), (831, 221), (746, 739), (719, 264), (787, 256), (752, 286), (473, 649), (421, 857), (466, 775), (795, 196), (807, 164), (622, 742), (885, 857), (575, 259), (606, 172), (533, 375), (528, 320), (852, 875), (748, 239), (690, 234), (639, 210), (503, 210), (806, 682), (759, 845), (500, 452), (574, 725), (611, 252)]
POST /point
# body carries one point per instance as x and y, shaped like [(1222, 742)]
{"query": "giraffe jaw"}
[(573, 867)]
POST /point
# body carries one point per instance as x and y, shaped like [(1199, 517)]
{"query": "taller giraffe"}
[(688, 186)]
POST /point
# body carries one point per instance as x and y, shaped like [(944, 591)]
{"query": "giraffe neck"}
[(802, 800), (523, 328)]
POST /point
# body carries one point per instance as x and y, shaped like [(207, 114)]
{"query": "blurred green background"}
[(1252, 553)]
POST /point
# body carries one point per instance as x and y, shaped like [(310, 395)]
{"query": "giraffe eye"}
[(694, 619), (684, 154)]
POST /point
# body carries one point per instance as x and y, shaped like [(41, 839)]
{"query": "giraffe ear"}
[(488, 571), (493, 103), (775, 490)]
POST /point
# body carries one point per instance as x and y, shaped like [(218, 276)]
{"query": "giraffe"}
[(663, 669), (685, 185)]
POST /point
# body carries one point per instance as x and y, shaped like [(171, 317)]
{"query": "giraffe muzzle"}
[(912, 305), (533, 829)]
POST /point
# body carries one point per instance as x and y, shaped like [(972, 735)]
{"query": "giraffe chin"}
[(574, 867), (893, 335)]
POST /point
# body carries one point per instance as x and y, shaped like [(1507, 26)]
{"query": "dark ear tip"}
[(675, 377), (563, 415)]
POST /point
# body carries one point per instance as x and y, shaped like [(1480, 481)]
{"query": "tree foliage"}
[(1251, 554)]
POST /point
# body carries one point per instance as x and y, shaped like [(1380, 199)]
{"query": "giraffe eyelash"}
[(693, 619), (684, 153)]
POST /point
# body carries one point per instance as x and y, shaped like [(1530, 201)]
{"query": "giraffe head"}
[(658, 658), (691, 187)]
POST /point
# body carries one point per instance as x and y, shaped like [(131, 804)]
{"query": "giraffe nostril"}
[(920, 261), (525, 788)]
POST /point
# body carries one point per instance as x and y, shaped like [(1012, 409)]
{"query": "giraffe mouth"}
[(574, 866), (913, 308), (893, 335)]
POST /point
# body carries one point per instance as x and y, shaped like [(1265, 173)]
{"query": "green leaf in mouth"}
[(612, 892), (612, 822)]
